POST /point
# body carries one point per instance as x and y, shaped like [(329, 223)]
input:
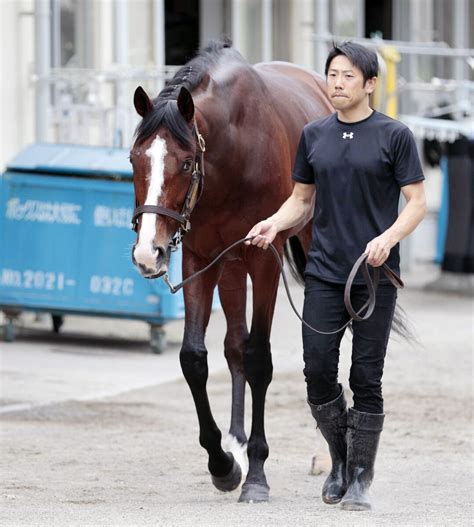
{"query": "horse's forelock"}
[(177, 124), (165, 113)]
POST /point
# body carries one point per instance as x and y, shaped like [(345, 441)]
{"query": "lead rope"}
[(361, 263)]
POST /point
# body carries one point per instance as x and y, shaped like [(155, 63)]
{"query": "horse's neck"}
[(233, 93)]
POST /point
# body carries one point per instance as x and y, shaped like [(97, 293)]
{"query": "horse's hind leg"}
[(225, 471), (233, 296), (258, 370)]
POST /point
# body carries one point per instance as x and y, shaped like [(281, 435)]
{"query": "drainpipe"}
[(237, 28), (42, 68), (159, 40), (121, 59), (266, 30), (321, 28)]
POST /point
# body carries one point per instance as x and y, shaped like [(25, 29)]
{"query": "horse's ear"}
[(142, 102), (186, 104)]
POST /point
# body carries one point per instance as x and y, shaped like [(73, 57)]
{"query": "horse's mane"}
[(165, 110)]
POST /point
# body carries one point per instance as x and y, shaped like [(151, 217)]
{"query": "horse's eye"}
[(187, 165)]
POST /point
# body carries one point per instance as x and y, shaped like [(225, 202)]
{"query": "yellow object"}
[(391, 57)]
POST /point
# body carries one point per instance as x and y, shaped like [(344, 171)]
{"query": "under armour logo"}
[(349, 135)]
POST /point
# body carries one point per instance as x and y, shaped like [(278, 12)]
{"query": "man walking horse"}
[(354, 164)]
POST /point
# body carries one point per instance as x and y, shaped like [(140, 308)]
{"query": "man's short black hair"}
[(361, 57)]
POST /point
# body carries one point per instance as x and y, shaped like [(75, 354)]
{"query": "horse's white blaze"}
[(239, 450), (144, 252)]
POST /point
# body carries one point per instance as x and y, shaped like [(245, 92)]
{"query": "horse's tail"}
[(402, 327), (296, 258)]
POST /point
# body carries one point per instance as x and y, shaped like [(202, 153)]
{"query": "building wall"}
[(292, 28), (17, 108)]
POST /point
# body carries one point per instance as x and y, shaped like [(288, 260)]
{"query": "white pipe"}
[(237, 37), (321, 28), (121, 58), (267, 38), (121, 32), (436, 49), (56, 33), (460, 35), (461, 39), (42, 68), (360, 18), (159, 39)]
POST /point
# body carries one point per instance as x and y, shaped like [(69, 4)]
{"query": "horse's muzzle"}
[(151, 263)]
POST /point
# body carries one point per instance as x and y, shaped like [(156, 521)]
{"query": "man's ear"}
[(142, 102), (370, 85), (186, 104)]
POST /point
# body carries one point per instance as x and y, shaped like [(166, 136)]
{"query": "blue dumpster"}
[(66, 238)]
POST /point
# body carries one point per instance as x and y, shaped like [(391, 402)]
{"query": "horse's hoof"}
[(231, 481), (254, 493)]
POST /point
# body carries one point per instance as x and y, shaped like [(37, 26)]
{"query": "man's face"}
[(345, 84)]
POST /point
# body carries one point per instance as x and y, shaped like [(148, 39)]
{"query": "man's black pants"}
[(324, 309)]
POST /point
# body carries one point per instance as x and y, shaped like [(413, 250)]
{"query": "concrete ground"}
[(98, 431)]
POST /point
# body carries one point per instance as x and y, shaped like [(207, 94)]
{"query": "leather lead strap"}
[(361, 264)]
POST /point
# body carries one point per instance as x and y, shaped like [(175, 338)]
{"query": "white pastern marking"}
[(231, 444), (144, 252)]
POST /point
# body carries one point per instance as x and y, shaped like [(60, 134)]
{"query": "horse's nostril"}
[(144, 268), (159, 250)]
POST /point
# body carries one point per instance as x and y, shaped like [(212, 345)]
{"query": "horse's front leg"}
[(258, 369), (225, 471), (233, 297)]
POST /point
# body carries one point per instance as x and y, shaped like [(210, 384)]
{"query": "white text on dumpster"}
[(43, 211)]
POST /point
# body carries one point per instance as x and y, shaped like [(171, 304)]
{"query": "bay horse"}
[(249, 120)]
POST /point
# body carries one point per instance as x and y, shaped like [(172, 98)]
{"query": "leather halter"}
[(193, 195)]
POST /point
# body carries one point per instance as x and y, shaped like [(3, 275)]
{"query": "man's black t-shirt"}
[(358, 169)]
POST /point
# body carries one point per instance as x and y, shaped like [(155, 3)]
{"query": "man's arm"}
[(414, 211), (296, 209)]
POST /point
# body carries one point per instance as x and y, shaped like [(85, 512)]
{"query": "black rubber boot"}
[(331, 419), (363, 433)]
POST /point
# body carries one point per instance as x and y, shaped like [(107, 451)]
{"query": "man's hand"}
[(265, 232), (378, 249), (414, 211)]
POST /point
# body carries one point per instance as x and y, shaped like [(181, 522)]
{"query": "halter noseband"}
[(193, 194)]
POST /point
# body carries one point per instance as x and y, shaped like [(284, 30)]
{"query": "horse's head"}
[(165, 159)]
